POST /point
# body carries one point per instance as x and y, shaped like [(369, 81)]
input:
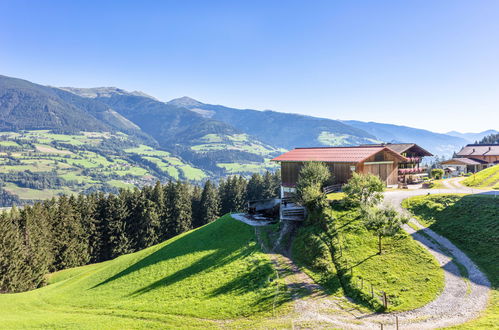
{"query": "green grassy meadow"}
[(471, 222), (409, 275), (213, 276), (85, 161), (487, 178)]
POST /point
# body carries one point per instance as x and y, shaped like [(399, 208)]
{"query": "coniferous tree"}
[(255, 187), (210, 204), (116, 214), (86, 209), (181, 213), (166, 222), (197, 219), (271, 183), (148, 221), (13, 274), (70, 241), (37, 252)]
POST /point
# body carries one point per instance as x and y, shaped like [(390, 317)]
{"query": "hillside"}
[(24, 105), (470, 222), (38, 164), (436, 143), (356, 260), (487, 178), (209, 277), (210, 144), (472, 137), (283, 130)]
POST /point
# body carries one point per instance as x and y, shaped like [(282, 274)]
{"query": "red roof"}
[(333, 154)]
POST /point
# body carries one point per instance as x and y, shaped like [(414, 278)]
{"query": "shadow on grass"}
[(212, 237), (364, 260), (227, 241)]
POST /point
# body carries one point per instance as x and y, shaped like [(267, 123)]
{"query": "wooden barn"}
[(487, 154), (342, 161)]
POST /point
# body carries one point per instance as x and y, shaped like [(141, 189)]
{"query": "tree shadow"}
[(222, 245), (214, 260), (364, 260), (208, 238)]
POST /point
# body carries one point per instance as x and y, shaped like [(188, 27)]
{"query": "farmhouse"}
[(409, 171), (474, 157), (342, 161)]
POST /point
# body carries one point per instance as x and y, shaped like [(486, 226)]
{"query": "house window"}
[(379, 157)]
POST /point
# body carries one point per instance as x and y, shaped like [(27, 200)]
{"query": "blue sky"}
[(428, 64)]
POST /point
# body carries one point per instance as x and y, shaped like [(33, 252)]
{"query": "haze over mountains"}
[(193, 129)]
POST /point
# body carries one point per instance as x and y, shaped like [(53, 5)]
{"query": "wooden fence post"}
[(385, 301), (397, 322)]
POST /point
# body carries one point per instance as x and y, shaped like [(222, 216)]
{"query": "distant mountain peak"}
[(95, 92), (185, 102)]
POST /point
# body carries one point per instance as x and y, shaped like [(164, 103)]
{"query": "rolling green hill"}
[(471, 223), (488, 178), (409, 275), (213, 276), (39, 164)]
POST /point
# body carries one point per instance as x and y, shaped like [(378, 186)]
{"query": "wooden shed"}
[(342, 161)]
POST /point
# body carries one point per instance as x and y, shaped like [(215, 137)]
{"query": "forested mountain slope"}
[(280, 129), (24, 105), (436, 143)]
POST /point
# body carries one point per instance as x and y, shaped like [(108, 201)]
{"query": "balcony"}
[(413, 160), (406, 171)]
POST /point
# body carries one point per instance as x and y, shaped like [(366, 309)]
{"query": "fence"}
[(331, 188), (365, 289)]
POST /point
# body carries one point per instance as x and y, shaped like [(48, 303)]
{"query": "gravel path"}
[(461, 300)]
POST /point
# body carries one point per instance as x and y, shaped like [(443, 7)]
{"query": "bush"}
[(437, 173), (312, 178), (364, 190)]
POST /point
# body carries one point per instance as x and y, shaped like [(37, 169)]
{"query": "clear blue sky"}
[(429, 64)]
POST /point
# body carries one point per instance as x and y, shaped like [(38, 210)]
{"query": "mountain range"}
[(205, 135)]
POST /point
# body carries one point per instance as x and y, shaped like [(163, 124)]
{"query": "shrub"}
[(437, 173), (364, 190), (312, 178)]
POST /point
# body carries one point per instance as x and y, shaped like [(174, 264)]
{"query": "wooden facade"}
[(383, 164)]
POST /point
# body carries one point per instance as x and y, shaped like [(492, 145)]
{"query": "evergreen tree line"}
[(70, 231), (490, 139)]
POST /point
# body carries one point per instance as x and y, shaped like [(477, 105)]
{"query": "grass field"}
[(241, 142), (79, 157), (409, 275), (488, 178), (471, 222), (214, 276)]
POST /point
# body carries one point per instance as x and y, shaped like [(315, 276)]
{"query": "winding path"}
[(462, 299)]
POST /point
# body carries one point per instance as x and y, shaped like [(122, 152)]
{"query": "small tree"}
[(437, 173), (313, 176), (364, 190), (384, 222)]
